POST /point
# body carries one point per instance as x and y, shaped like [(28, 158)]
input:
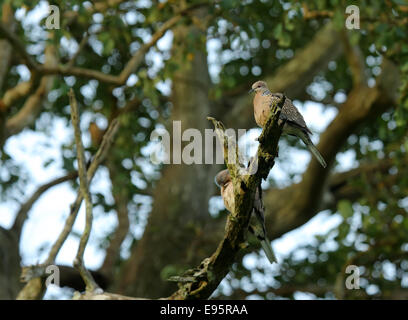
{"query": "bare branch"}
[(99, 157), (102, 296), (29, 111), (82, 72), (84, 190), (96, 161), (19, 91)]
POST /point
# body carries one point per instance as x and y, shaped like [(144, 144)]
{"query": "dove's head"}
[(222, 178), (259, 86)]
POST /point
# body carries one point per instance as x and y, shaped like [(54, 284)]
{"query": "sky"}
[(32, 149)]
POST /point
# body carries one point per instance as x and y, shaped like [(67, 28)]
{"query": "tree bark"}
[(9, 265)]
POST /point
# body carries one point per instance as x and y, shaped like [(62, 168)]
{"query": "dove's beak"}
[(250, 91)]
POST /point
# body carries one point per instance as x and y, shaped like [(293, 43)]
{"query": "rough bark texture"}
[(201, 282)]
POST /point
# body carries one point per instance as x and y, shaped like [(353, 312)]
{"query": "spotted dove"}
[(257, 221), (294, 123)]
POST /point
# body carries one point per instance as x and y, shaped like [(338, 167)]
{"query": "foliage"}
[(253, 39)]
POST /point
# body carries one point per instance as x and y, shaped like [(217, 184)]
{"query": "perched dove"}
[(295, 124), (257, 221)]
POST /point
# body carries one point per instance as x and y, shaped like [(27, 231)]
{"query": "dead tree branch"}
[(200, 283)]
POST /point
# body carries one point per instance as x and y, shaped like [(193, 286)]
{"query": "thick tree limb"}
[(19, 91), (33, 104), (189, 200), (340, 185), (201, 282), (7, 18), (102, 296), (70, 277)]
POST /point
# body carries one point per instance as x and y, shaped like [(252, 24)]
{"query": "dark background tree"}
[(295, 47)]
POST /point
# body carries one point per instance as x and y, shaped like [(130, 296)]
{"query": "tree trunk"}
[(9, 265)]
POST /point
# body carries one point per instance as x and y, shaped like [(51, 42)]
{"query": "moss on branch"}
[(200, 282)]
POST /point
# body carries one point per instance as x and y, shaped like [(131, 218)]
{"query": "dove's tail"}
[(317, 154), (266, 246), (309, 144)]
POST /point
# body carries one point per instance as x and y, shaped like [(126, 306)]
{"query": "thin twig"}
[(21, 215), (84, 189), (34, 271), (97, 160)]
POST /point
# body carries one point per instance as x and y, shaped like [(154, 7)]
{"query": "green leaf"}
[(285, 40), (345, 208), (109, 45), (338, 19), (277, 32)]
